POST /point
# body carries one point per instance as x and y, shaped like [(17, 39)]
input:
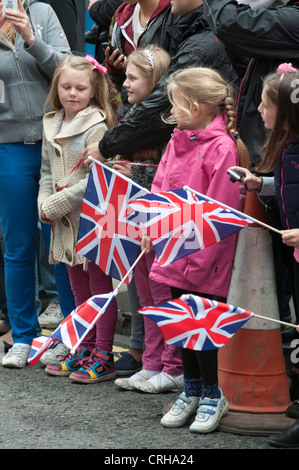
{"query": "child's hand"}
[(251, 181), (124, 169), (92, 150), (44, 218), (146, 244), (291, 237)]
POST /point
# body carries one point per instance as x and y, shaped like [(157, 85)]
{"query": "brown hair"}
[(206, 87), (281, 91), (98, 81)]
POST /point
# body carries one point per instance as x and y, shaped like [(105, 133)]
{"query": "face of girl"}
[(183, 120), (268, 110), (136, 84), (74, 91)]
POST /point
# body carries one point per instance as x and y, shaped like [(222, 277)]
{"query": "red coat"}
[(200, 159)]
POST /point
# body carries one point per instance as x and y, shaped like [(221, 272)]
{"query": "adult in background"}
[(70, 13), (32, 43), (190, 42), (101, 12)]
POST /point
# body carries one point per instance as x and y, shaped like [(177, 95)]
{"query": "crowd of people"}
[(201, 86)]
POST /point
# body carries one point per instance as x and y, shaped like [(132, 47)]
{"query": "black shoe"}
[(92, 34), (289, 334), (293, 410), (294, 386), (290, 438)]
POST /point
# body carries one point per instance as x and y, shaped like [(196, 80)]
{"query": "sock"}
[(211, 391), (192, 387)]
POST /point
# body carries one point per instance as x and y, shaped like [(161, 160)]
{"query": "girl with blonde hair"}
[(203, 146), (81, 114)]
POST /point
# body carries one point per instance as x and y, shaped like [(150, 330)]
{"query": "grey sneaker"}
[(17, 356), (55, 355), (128, 384), (179, 414), (51, 317)]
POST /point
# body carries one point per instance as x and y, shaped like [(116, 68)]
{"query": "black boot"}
[(289, 438)]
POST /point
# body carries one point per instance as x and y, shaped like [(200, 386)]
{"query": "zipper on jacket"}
[(16, 55)]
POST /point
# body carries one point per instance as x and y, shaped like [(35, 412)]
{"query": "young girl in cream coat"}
[(81, 114)]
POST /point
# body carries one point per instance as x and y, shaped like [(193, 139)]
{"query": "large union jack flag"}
[(180, 222), (109, 228), (79, 322), (197, 323)]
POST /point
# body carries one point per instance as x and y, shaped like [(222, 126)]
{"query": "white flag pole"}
[(186, 188), (113, 294)]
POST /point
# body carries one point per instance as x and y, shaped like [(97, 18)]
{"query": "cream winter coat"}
[(62, 150)]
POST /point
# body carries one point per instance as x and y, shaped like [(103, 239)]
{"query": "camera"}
[(235, 175)]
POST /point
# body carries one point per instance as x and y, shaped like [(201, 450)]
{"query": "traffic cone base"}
[(255, 424), (252, 373)]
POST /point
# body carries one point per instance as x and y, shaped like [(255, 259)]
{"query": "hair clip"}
[(150, 57), (96, 66), (284, 68)]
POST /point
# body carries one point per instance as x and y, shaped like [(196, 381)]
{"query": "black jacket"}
[(268, 37), (191, 43)]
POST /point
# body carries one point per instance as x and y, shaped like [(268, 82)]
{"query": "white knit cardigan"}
[(61, 151)]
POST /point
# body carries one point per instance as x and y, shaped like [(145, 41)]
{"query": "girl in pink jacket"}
[(203, 146)]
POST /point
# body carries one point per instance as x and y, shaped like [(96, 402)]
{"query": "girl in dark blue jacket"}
[(279, 110)]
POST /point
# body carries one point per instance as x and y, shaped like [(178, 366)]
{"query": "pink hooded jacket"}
[(200, 160)]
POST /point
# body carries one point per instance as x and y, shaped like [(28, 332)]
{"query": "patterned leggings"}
[(84, 285)]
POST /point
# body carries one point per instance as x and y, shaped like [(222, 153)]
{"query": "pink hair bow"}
[(97, 66), (284, 68)]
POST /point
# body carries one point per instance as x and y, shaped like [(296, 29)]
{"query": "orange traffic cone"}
[(252, 371)]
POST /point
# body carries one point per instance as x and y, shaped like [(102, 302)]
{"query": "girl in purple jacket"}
[(203, 146)]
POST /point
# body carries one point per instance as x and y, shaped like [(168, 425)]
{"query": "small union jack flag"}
[(109, 228), (79, 322), (39, 346), (194, 322), (180, 222)]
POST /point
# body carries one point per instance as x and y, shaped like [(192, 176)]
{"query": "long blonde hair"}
[(206, 87), (101, 99)]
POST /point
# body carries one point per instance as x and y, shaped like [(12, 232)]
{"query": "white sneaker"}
[(209, 414), (54, 355), (17, 356), (179, 414), (160, 383), (128, 384), (51, 317)]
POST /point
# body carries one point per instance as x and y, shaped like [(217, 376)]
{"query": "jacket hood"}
[(125, 12)]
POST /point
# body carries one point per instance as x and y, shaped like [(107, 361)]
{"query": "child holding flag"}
[(81, 114), (203, 146), (161, 363)]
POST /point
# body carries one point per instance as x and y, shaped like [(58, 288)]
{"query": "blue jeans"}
[(19, 177), (65, 294)]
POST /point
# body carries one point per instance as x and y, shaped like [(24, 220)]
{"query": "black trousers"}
[(199, 364)]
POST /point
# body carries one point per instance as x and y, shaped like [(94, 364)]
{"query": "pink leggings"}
[(84, 285), (158, 355)]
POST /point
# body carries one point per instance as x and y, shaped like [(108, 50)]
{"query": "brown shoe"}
[(4, 329)]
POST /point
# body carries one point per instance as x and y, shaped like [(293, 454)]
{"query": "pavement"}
[(39, 411)]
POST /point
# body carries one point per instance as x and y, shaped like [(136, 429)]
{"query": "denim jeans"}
[(19, 177)]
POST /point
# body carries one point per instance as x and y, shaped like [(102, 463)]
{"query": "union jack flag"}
[(180, 222), (109, 228), (79, 322), (197, 323), (39, 346)]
